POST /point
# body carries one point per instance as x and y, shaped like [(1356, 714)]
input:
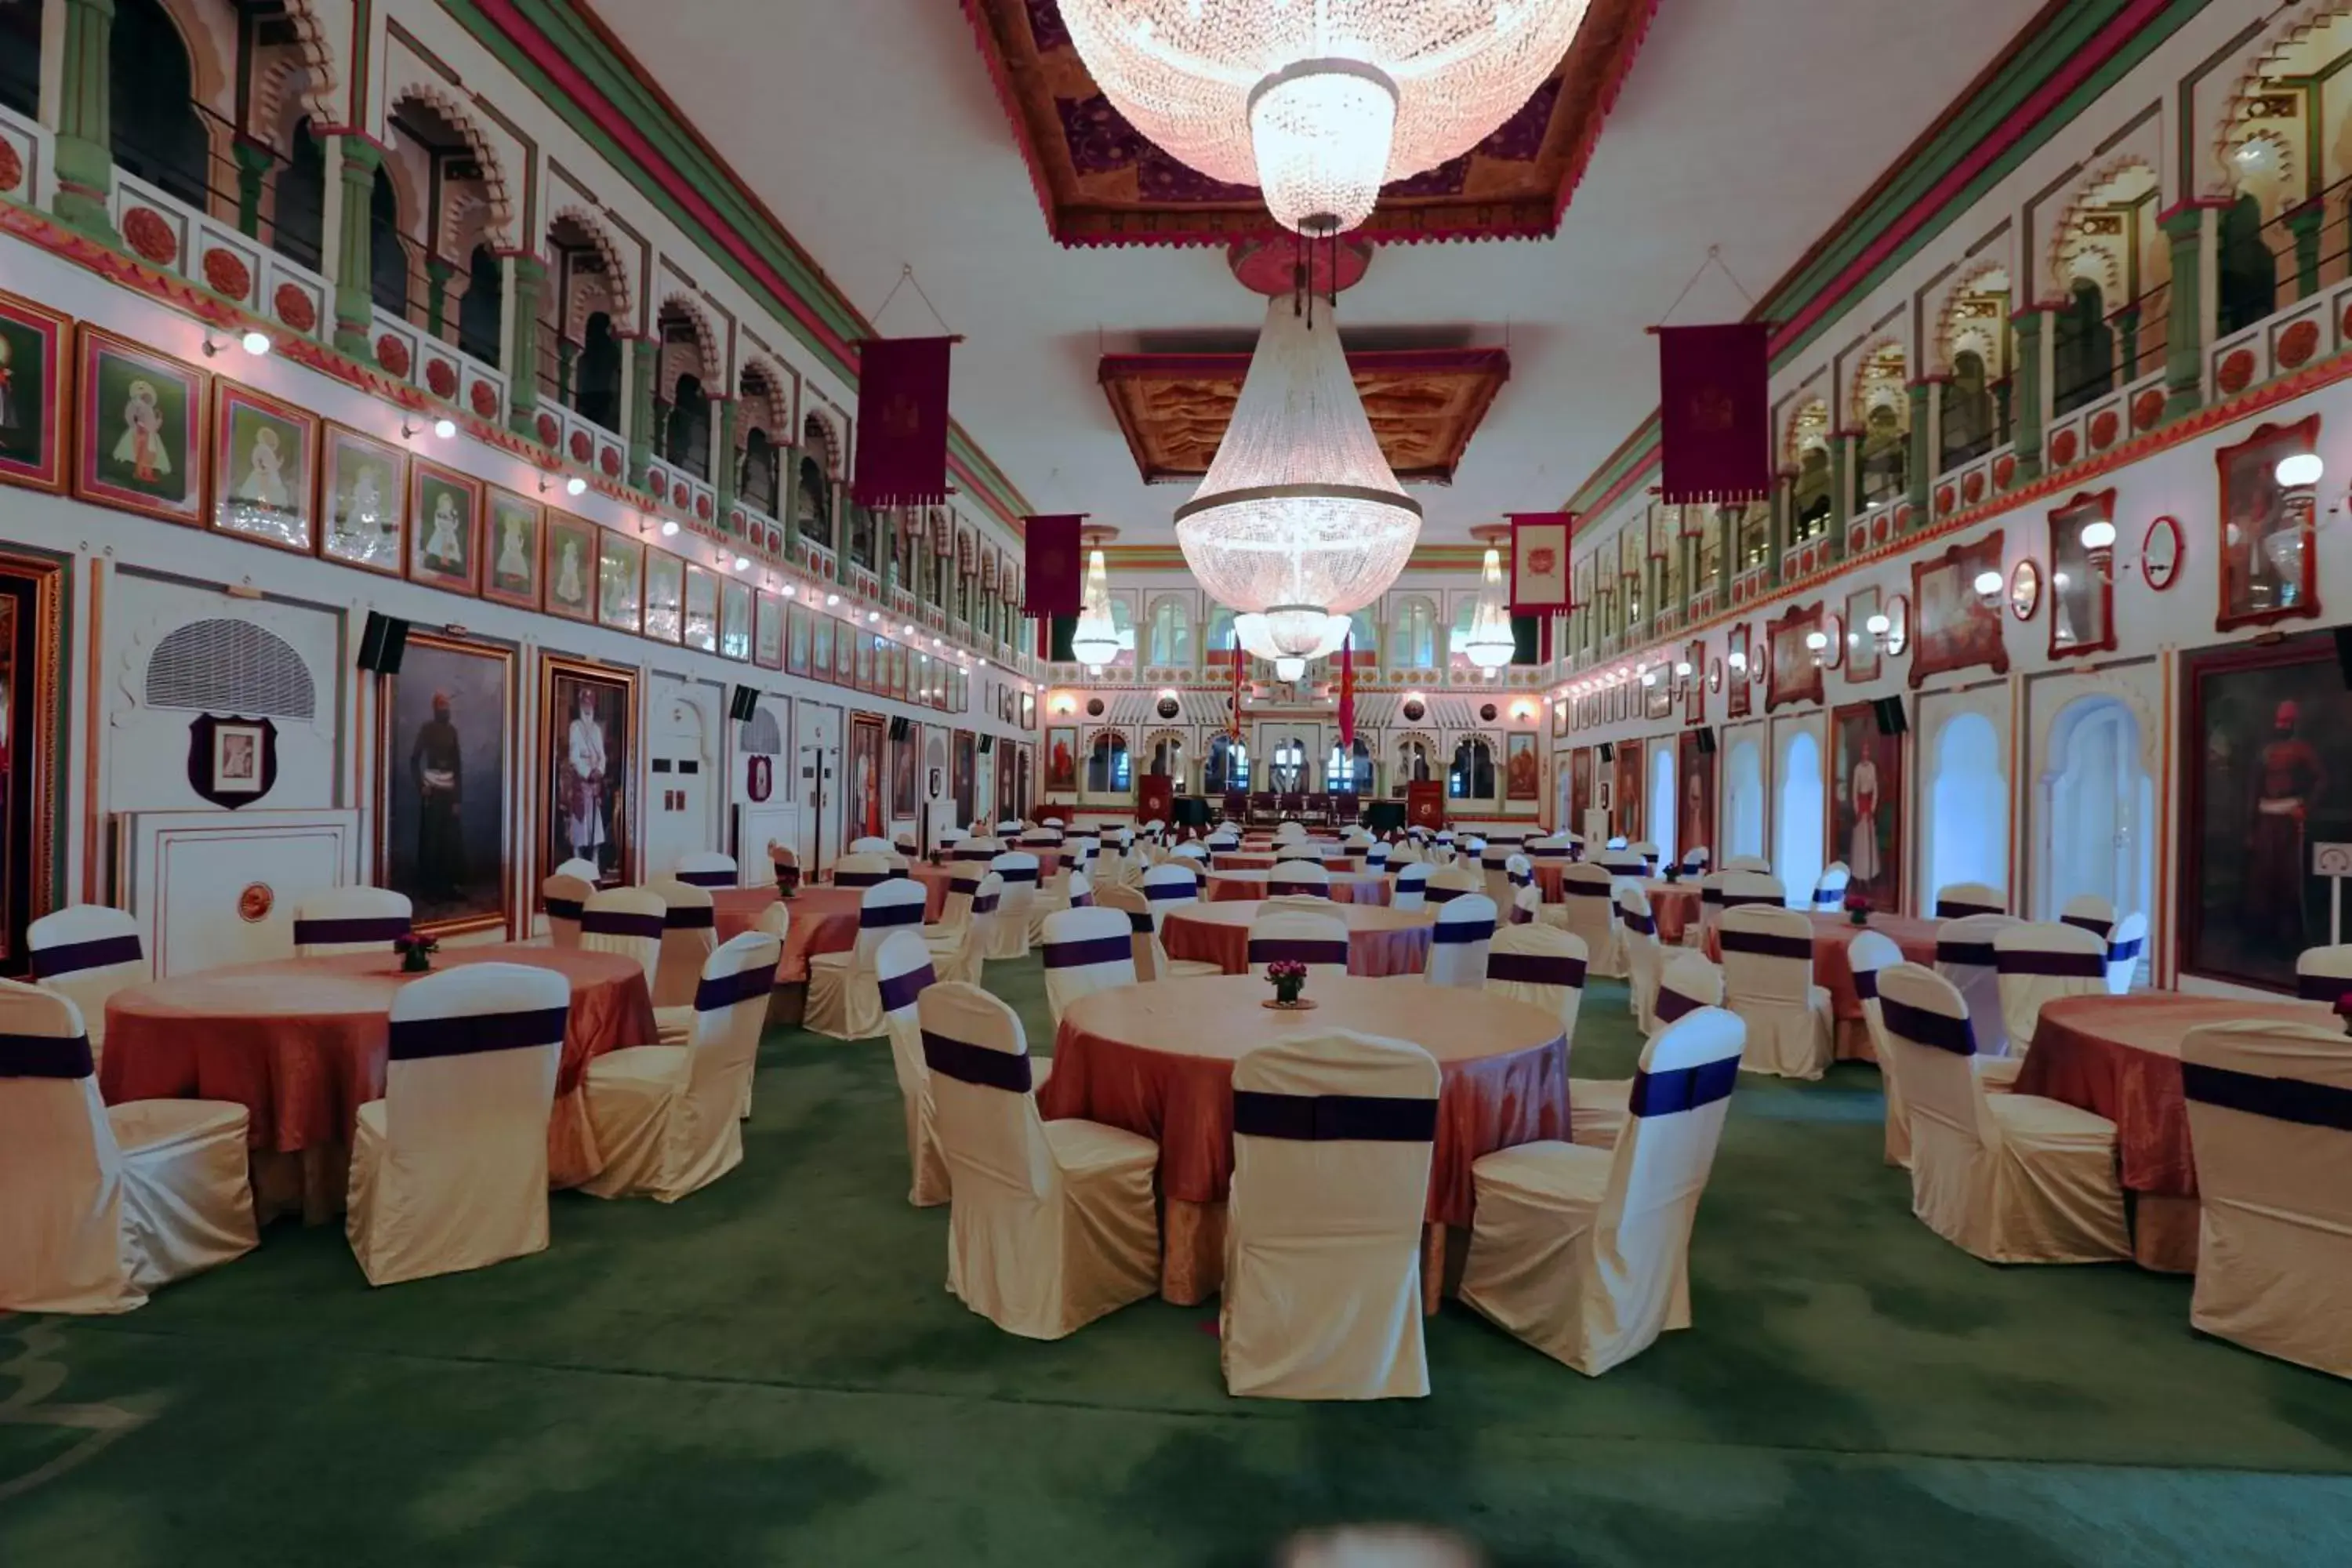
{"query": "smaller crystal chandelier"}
[(1096, 641), (1490, 644)]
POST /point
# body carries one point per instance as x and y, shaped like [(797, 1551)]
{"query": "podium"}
[(1155, 798), (1425, 804)]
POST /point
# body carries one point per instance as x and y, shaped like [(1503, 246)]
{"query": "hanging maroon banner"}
[(1715, 415), (1539, 562), (902, 422), (1348, 693), (1056, 568)]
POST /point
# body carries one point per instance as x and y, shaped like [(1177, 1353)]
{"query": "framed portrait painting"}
[(768, 630), (265, 469), (821, 646), (1627, 794), (868, 648), (445, 507), (1953, 627), (1580, 788), (142, 423), (363, 491), (1694, 683), (2270, 566), (845, 640), (665, 617), (36, 384), (905, 762), (864, 800), (1694, 812), (444, 782), (32, 710), (1792, 670), (510, 541), (796, 638), (1867, 796), (620, 581), (735, 620), (587, 757), (700, 623), (1061, 760), (1522, 767), (567, 566)]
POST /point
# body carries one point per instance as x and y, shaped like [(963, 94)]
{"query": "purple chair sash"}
[(860, 878), (1082, 901), (1018, 874), (1161, 892), (1586, 889), (977, 854), (1450, 932), (73, 957), (2071, 965), (2121, 952), (1646, 925), (1711, 896), (1298, 890), (1673, 1005), (1140, 922), (1089, 951), (689, 916), (1746, 900), (2096, 927), (1334, 1118), (900, 990), (1828, 897), (2292, 1099), (565, 908), (2320, 987), (898, 874), (715, 990), (705, 878), (417, 1039), (1923, 1028), (1445, 895), (619, 922), (46, 1055), (1679, 1089), (1300, 950), (984, 903), (1959, 909), (1865, 985), (368, 928), (1966, 954), (1536, 969), (1766, 945), (874, 917), (975, 1065)]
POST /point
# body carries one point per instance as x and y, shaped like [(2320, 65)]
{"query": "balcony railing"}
[(167, 233)]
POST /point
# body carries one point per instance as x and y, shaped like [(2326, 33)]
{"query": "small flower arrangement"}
[(1857, 909), (1288, 977), (416, 954), (1673, 873)]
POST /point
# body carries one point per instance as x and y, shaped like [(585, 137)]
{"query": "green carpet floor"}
[(771, 1373)]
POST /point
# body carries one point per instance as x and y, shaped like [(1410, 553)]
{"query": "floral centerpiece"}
[(416, 954), (1857, 909), (1288, 977), (1672, 872)]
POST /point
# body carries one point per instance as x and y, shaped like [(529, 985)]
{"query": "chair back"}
[(1829, 889), (1866, 955), (1649, 853), (902, 968), (1460, 880), (1408, 854), (1290, 833), (1956, 899), (1080, 890), (1928, 1035), (1018, 867), (1746, 889), (1376, 856), (863, 868), (1549, 847), (871, 843), (963, 882), (1687, 982), (1171, 884), (1299, 879), (886, 907), (730, 1008), (87, 952), (2090, 913), (1297, 849), (1493, 871), (775, 920), (60, 1163), (787, 865), (349, 919), (1587, 904), (586, 871), (470, 1073), (1756, 863), (1710, 897), (2125, 945), (565, 898), (1767, 954), (2324, 973), (1964, 955), (1311, 937), (976, 1058), (1526, 905), (707, 869), (1673, 1123), (1412, 889), (987, 909), (1460, 940), (1198, 854), (1142, 935), (1541, 965), (2038, 961), (1637, 927), (628, 922), (1010, 827), (689, 932), (980, 848), (1623, 863), (1086, 951), (1696, 859)]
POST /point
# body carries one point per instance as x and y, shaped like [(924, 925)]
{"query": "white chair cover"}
[(1589, 910), (2324, 973), (1459, 942), (349, 919), (904, 967), (105, 1205), (1747, 889), (1289, 832), (2124, 947), (844, 999), (1768, 978), (955, 949), (1297, 849), (669, 1119), (980, 848), (1018, 870), (1544, 967), (2270, 1117), (2038, 961), (1527, 906), (1447, 883), (625, 921), (871, 843), (1829, 891), (1623, 863), (1584, 1253), (2090, 913), (1637, 933), (707, 869), (565, 898), (1596, 1108), (2012, 1178), (586, 871), (1311, 937), (449, 1168), (689, 932), (1964, 955), (1332, 1141), (1170, 886), (987, 906), (1376, 856), (1648, 851), (1954, 900), (1143, 937), (1866, 955), (88, 952), (1756, 864), (1493, 871), (1085, 950), (1411, 889), (1552, 847), (1696, 859), (864, 868), (1299, 879), (1052, 1224)]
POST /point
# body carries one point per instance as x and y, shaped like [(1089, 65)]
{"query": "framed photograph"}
[(587, 757), (2269, 780), (444, 782), (963, 765), (821, 646), (568, 566), (620, 581), (1737, 657), (512, 540), (1953, 627), (1867, 796), (2270, 567), (36, 386), (1061, 760), (1694, 683), (735, 619), (1580, 788), (664, 619), (237, 750), (906, 765), (1522, 767), (1658, 697), (868, 647), (2025, 589), (861, 815), (701, 625), (33, 700), (1694, 812), (796, 638), (142, 429), (445, 540), (1863, 661), (768, 630), (845, 640), (1794, 672), (1561, 711), (1628, 817), (1028, 710), (2082, 584), (363, 486), (265, 469)]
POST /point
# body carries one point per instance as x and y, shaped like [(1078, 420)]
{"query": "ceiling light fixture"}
[(1489, 643), (1094, 640)]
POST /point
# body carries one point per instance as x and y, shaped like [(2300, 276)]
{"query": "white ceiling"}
[(871, 129)]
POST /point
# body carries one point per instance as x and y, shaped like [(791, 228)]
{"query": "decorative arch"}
[(2247, 70), (444, 101), (1879, 379), (818, 435), (1956, 334), (1809, 426), (769, 402), (618, 284), (706, 336), (310, 57), (2071, 252), (1176, 738)]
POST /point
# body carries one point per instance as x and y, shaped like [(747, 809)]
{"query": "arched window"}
[(1885, 471), (597, 397), (1172, 634), (1228, 766), (1797, 855), (1289, 765), (1107, 772), (688, 443), (299, 214), (1349, 771), (755, 478), (1968, 820), (1812, 495), (861, 537), (814, 503), (1412, 640), (1363, 643), (1472, 776), (20, 58), (481, 315), (1743, 825), (2097, 811), (2248, 273), (1168, 759), (1967, 410), (157, 133), (1412, 766), (387, 251), (1663, 804), (1459, 638), (1219, 637), (2083, 348)]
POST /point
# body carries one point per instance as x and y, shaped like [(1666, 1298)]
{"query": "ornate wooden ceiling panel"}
[(1424, 406), (1101, 183)]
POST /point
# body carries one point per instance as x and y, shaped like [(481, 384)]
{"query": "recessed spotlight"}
[(256, 342), (575, 486), (832, 599), (669, 527), (742, 563), (791, 592), (445, 427), (873, 615)]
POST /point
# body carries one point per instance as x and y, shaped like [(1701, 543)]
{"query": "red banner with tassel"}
[(1055, 565), (1348, 693), (1714, 413), (902, 422)]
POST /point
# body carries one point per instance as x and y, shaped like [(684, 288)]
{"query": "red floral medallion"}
[(609, 459), (228, 273), (294, 308), (391, 354), (2063, 447), (2298, 343), (2237, 370), (1972, 487), (2004, 469), (677, 494), (2103, 428), (1944, 499), (2146, 409), (702, 508), (254, 904), (147, 232), (582, 448), (441, 378), (547, 428), (485, 399), (12, 168)]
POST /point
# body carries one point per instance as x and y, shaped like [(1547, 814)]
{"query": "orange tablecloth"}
[(1242, 860), (1675, 905), (1381, 941), (1833, 971), (1158, 1060), (1550, 875), (301, 1043), (1346, 887), (825, 918)]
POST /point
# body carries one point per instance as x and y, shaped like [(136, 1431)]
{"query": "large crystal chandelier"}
[(1298, 520), (1319, 103), (1095, 639), (1490, 644)]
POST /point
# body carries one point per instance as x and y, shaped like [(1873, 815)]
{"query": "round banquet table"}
[(824, 918), (1158, 1060), (1346, 887), (2119, 1056), (1675, 905), (1381, 941), (301, 1044), (1244, 860), (1833, 970)]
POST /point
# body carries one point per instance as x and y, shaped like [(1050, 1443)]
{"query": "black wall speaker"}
[(2344, 652), (1707, 741), (987, 744), (1891, 718), (744, 704), (384, 644), (1608, 753), (899, 727)]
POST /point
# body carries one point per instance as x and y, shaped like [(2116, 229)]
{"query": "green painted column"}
[(1925, 452), (2305, 223), (1842, 468), (567, 355), (358, 159), (2027, 406), (529, 278), (85, 138), (1727, 560), (437, 274), (645, 361), (1784, 508), (845, 525), (2184, 361), (254, 162), (723, 464), (2127, 323)]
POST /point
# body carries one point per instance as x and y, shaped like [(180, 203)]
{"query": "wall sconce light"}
[(574, 485), (253, 341), (1062, 702), (2098, 538), (1878, 626), (1523, 711), (742, 563), (1738, 661), (1819, 643), (831, 600), (669, 527), (1988, 584), (445, 427)]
